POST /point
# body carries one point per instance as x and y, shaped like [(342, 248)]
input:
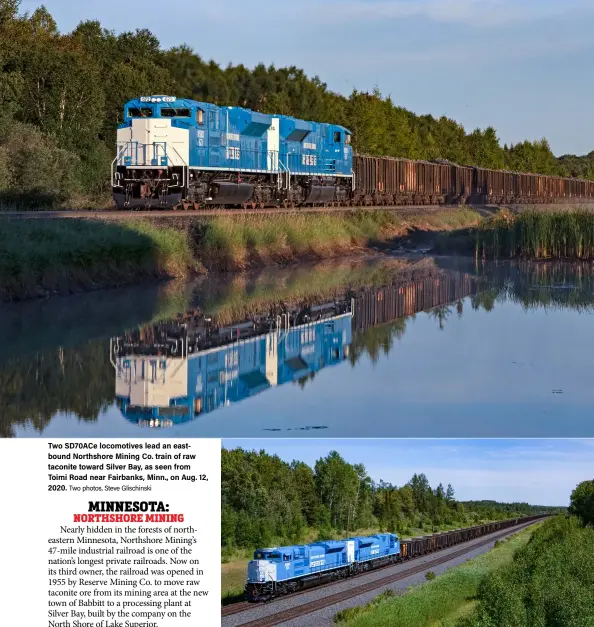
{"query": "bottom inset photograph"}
[(407, 533)]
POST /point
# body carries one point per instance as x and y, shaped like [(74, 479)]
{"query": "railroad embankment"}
[(445, 601), (44, 257)]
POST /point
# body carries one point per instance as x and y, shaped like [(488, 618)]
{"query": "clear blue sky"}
[(523, 66), (541, 472)]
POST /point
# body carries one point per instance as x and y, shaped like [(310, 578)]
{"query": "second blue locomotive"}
[(172, 151), (281, 570)]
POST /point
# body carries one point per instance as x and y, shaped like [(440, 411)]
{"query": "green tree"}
[(582, 502)]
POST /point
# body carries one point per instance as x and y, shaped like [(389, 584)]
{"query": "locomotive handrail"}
[(283, 170), (117, 157)]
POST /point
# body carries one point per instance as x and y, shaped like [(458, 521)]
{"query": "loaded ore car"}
[(387, 181)]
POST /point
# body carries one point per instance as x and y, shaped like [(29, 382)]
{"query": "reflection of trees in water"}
[(74, 380), (440, 314), (532, 286), (377, 340), (554, 285)]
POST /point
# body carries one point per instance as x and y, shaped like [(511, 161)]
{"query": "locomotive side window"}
[(170, 112), (337, 137), (213, 120), (347, 139), (286, 558), (140, 112), (200, 116)]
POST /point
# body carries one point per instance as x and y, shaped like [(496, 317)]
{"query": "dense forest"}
[(61, 98), (267, 501), (551, 579)]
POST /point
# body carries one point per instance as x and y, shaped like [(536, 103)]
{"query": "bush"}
[(430, 575), (550, 582), (35, 171)]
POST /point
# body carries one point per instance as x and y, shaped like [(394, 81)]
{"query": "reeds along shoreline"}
[(537, 235)]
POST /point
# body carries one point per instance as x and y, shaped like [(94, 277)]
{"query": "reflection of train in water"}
[(172, 372)]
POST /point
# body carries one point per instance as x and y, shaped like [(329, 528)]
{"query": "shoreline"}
[(40, 259)]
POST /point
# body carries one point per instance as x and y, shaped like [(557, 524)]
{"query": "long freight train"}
[(174, 152), (281, 570)]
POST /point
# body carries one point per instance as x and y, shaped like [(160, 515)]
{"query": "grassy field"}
[(537, 235), (442, 602), (41, 257)]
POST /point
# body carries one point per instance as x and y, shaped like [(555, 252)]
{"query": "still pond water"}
[(425, 347)]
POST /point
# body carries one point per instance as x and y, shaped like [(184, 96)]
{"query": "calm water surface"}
[(417, 347)]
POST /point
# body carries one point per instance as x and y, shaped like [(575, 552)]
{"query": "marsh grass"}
[(434, 602), (537, 235), (254, 240), (67, 255)]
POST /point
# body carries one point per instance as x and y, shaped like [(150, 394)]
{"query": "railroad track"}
[(292, 613), (229, 610), (113, 214)]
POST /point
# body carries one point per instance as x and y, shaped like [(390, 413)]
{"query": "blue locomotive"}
[(173, 151), (171, 379), (281, 570)]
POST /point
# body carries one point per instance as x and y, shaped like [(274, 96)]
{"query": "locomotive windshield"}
[(140, 112), (171, 112)]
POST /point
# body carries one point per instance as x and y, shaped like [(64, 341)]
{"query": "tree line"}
[(267, 501), (62, 94)]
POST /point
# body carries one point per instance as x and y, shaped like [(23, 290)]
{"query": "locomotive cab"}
[(153, 152)]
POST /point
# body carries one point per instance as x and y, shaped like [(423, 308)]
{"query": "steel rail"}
[(196, 213)]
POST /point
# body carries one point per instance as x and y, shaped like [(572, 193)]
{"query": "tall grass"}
[(37, 256), (437, 600), (537, 235), (239, 242)]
